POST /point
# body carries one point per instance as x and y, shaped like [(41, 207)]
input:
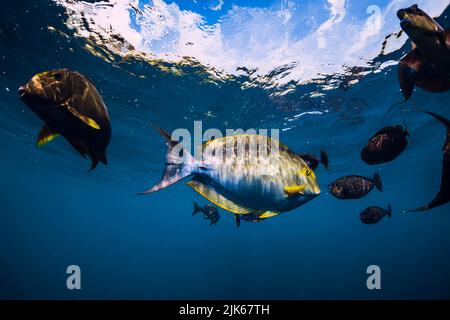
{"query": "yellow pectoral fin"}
[(218, 199), (46, 135), (90, 122), (268, 214), (294, 190)]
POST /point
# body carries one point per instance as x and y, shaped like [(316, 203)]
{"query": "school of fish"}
[(252, 176)]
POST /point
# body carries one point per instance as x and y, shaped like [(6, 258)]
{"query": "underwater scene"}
[(224, 149)]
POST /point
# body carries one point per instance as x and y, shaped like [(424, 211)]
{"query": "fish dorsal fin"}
[(89, 121), (219, 200), (268, 214), (254, 138), (46, 135)]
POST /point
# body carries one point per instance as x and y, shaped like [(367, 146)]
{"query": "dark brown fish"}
[(313, 162), (372, 215), (209, 211), (70, 105), (354, 187), (443, 196), (428, 64), (386, 145)]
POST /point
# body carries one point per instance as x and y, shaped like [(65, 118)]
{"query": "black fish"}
[(372, 215), (313, 162), (209, 211), (354, 187), (443, 196), (70, 105), (386, 145)]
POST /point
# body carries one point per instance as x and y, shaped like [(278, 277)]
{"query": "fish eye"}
[(307, 172)]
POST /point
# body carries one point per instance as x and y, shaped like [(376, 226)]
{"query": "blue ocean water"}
[(54, 214)]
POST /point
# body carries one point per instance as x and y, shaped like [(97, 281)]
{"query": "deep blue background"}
[(53, 213)]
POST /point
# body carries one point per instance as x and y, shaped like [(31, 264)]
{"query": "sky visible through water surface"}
[(310, 38)]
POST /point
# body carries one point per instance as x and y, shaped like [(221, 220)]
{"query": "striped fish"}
[(243, 174)]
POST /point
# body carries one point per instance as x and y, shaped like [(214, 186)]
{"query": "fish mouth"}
[(405, 22), (22, 92), (334, 188), (404, 18), (312, 194)]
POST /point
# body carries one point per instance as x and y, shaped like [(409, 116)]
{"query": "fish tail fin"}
[(377, 181), (179, 163), (439, 118), (324, 158), (94, 162), (438, 200), (389, 213), (196, 208), (96, 157), (102, 156), (423, 208)]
